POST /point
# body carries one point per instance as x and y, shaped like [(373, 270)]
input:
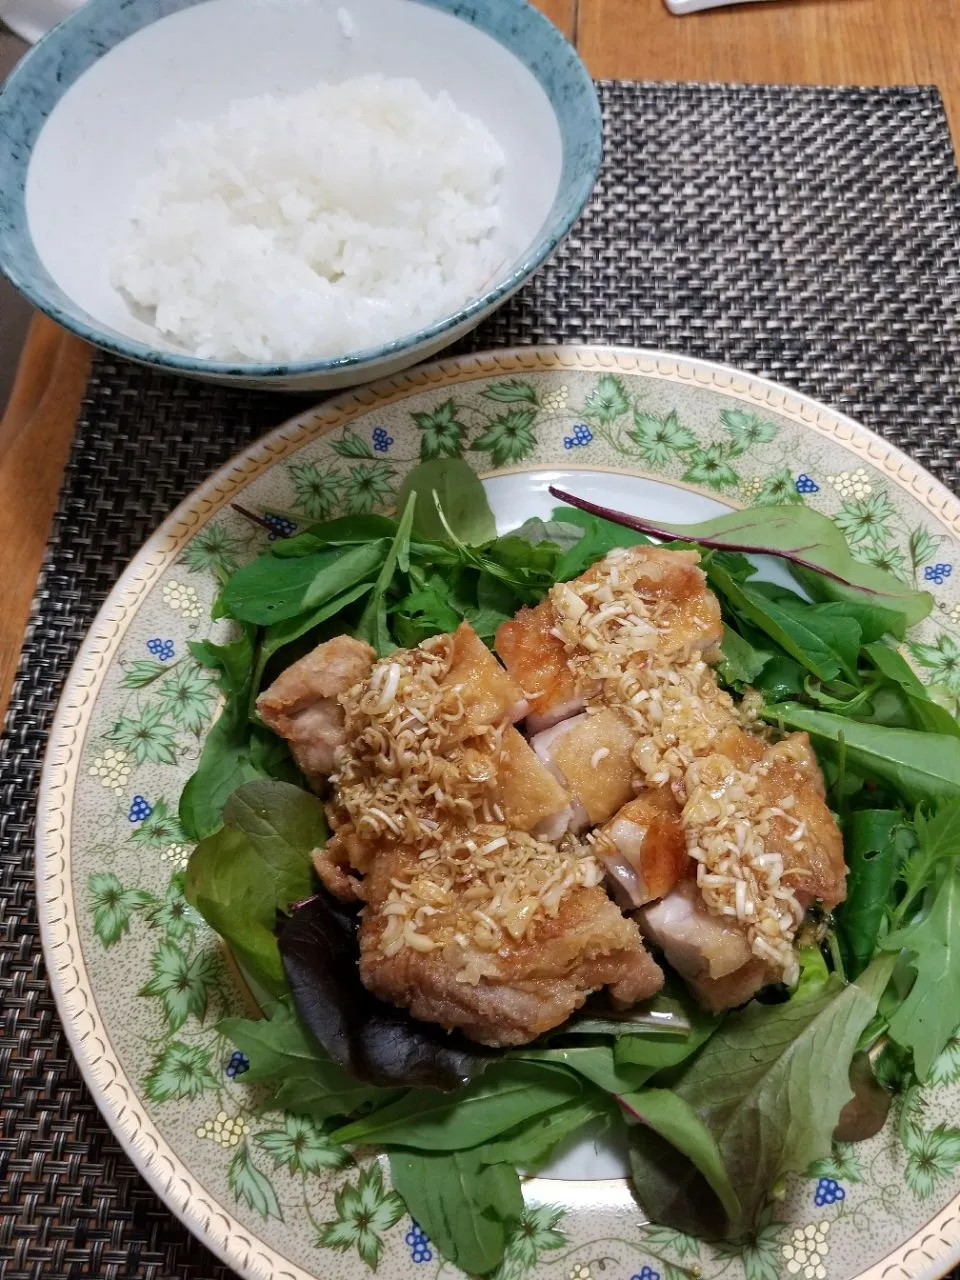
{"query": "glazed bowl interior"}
[(80, 121)]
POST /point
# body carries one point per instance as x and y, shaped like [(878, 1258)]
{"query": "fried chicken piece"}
[(802, 830), (530, 796), (590, 755), (498, 987), (672, 587), (302, 703), (643, 847), (490, 695), (709, 952)]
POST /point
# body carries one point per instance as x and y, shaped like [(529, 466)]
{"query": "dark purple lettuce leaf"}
[(375, 1041)]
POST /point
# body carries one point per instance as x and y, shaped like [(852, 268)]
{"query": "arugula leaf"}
[(921, 767), (344, 531), (741, 662), (286, 1058), (460, 495), (468, 1209), (595, 1063), (372, 626), (599, 537), (531, 1144), (794, 628), (923, 712), (875, 842), (280, 634), (810, 541), (231, 660), (677, 1123), (769, 1086), (273, 589), (257, 865), (928, 1016), (502, 1098)]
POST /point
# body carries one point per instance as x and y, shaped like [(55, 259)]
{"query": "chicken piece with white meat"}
[(653, 601), (643, 848), (765, 847), (499, 935), (469, 920), (302, 703)]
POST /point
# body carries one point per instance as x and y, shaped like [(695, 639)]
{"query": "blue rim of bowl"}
[(515, 24)]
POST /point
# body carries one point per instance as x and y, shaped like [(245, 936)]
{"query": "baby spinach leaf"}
[(924, 768), (741, 662), (595, 1063), (468, 1209), (809, 540), (460, 496), (530, 1144), (504, 1096), (377, 1042), (270, 589), (677, 1123), (660, 1054), (781, 678), (562, 533), (874, 849), (794, 630), (233, 753), (256, 865)]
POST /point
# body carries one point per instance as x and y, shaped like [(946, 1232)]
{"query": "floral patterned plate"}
[(141, 982)]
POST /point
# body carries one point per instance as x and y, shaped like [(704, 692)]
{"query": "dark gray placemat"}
[(811, 235)]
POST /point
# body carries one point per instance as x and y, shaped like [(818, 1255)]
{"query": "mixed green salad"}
[(716, 1109)]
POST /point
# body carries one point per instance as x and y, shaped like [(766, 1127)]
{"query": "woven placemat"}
[(811, 235)]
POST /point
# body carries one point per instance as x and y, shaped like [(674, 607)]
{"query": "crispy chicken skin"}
[(792, 774), (530, 796), (643, 847), (539, 981), (590, 754), (670, 581), (301, 705), (470, 918)]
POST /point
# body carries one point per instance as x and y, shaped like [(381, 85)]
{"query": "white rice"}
[(315, 224)]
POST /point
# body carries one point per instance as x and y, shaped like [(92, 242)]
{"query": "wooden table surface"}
[(791, 41)]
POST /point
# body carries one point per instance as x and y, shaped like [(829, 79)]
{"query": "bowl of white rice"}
[(291, 194)]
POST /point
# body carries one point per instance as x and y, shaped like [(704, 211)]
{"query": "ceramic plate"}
[(141, 982)]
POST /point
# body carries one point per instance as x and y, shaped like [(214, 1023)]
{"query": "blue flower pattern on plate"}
[(419, 1245), (937, 573), (806, 484), (381, 440), (829, 1191), (279, 526), (238, 1064), (646, 1273), (139, 809), (582, 435), (161, 649)]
